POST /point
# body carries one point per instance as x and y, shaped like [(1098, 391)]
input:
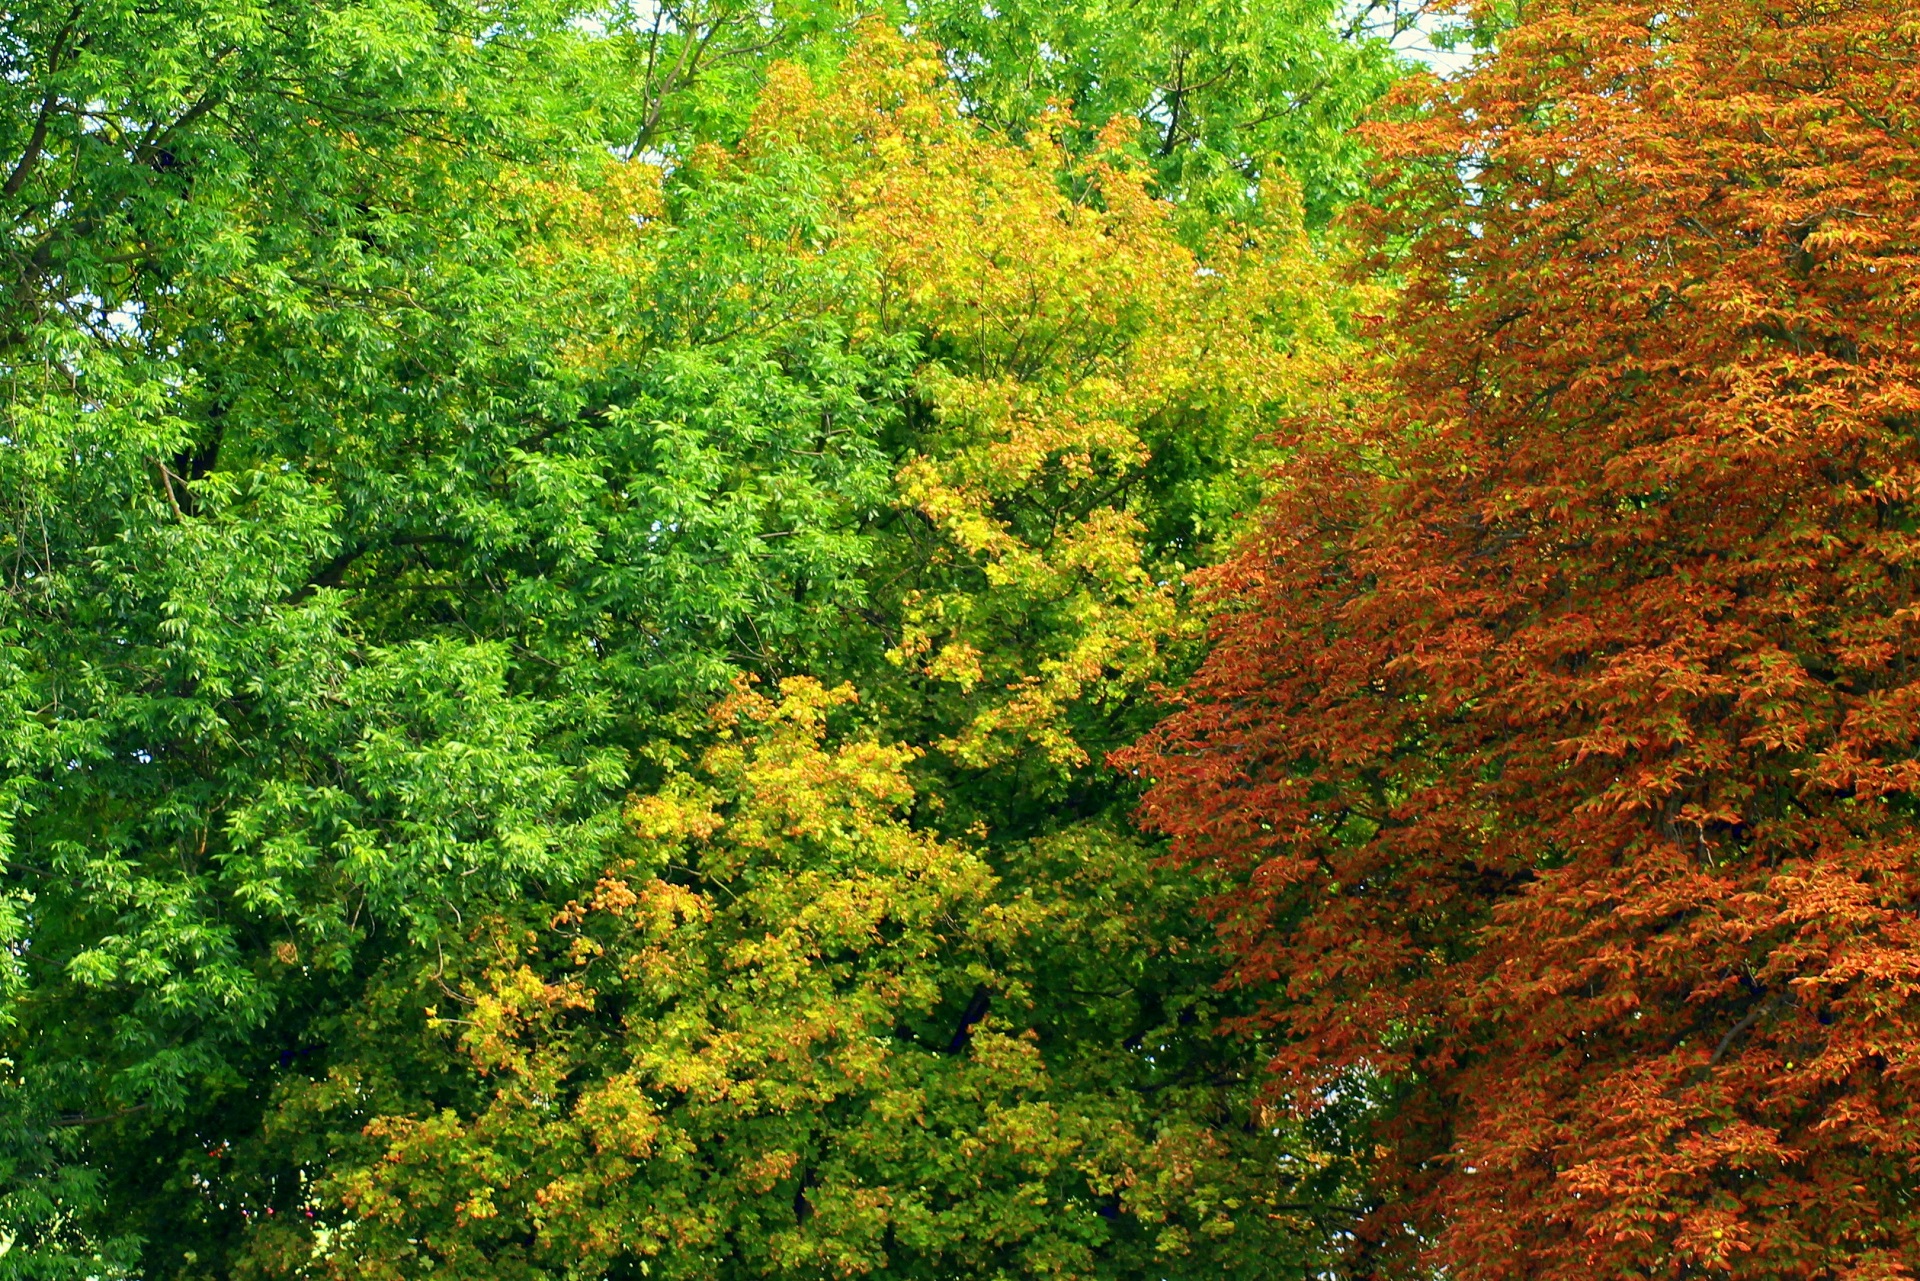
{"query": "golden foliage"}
[(1070, 330)]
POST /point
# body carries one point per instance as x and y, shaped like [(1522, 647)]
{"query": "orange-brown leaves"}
[(1560, 724)]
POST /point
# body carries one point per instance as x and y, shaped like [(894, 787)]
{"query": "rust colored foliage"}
[(1562, 727)]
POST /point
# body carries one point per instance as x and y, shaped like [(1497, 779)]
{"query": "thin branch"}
[(1753, 1016), (208, 101), (166, 479), (73, 1122)]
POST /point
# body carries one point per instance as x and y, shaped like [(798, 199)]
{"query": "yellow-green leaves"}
[(1069, 336), (712, 1038), (416, 416), (793, 1035)]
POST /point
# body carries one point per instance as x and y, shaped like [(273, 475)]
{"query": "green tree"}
[(346, 580), (394, 474), (914, 1011)]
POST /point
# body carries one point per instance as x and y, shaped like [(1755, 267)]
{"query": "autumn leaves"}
[(582, 708), (1547, 732)]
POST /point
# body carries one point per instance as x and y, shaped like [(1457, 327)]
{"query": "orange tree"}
[(1560, 726)]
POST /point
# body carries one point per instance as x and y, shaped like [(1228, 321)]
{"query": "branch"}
[(72, 1122), (976, 1010), (330, 574), (31, 157), (37, 141), (1178, 89), (684, 68), (208, 101), (1885, 125), (166, 479), (1753, 1016)]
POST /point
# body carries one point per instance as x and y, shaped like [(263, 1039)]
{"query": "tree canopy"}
[(1557, 727), (419, 417), (717, 639)]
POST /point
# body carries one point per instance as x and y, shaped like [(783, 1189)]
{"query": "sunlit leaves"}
[(790, 1033)]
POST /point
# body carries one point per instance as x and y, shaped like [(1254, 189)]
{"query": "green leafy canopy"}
[(419, 412)]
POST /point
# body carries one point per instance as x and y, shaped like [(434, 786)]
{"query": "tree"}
[(1558, 727), (912, 1016), (406, 447), (350, 567)]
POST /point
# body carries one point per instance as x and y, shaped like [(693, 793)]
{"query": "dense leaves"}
[(875, 1049), (1559, 727), (418, 415), (575, 577), (1220, 95), (1216, 97), (1080, 434), (762, 1046), (218, 218)]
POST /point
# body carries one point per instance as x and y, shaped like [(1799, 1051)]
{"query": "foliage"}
[(740, 1056), (1227, 101), (985, 1053), (397, 465), (183, 181), (1081, 431), (350, 568), (1559, 726), (1224, 96)]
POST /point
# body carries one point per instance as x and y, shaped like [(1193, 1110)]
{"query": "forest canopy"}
[(717, 640)]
